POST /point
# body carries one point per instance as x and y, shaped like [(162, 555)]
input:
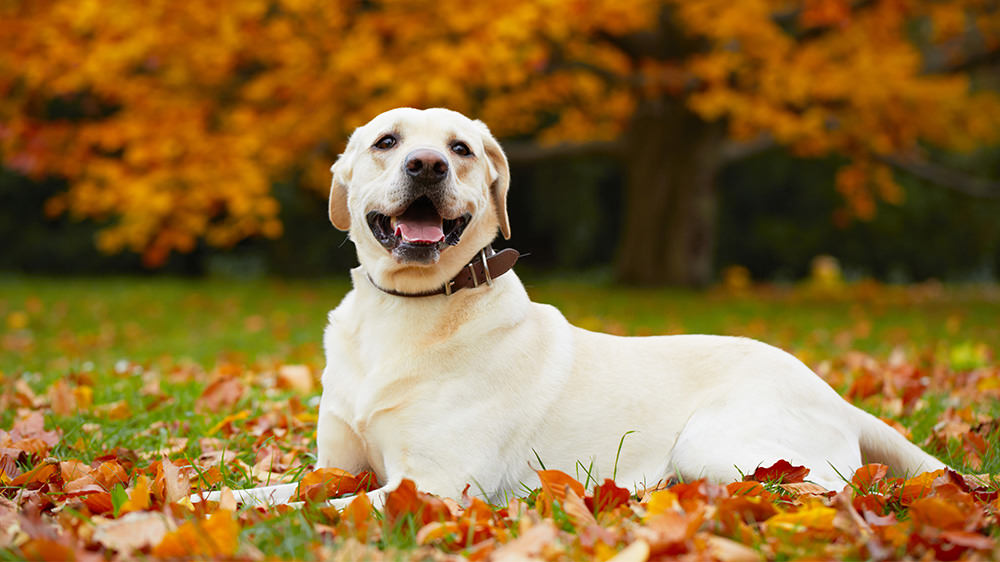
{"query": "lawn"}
[(220, 378)]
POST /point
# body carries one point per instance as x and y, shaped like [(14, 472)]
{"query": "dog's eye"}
[(460, 148), (385, 143)]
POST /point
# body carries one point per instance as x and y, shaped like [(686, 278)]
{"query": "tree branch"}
[(733, 150), (944, 176), (937, 63), (523, 152)]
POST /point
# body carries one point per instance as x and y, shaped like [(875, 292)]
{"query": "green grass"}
[(110, 334)]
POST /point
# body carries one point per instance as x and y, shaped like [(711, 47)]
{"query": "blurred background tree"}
[(179, 127)]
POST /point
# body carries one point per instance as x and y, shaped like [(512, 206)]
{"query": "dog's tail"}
[(883, 444)]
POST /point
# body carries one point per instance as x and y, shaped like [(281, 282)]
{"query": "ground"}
[(122, 395)]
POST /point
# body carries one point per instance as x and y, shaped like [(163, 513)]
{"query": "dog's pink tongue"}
[(427, 231)]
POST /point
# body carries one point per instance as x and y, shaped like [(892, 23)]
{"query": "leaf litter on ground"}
[(89, 474)]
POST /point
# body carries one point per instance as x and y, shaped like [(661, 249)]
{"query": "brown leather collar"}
[(482, 270)]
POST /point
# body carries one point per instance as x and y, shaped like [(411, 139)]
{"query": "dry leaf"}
[(638, 551), (528, 545), (133, 531), (221, 394), (176, 485), (218, 536), (781, 471), (296, 377)]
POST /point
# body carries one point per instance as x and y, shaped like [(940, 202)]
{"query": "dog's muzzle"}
[(419, 233)]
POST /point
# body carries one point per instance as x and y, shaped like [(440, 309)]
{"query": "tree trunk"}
[(668, 233)]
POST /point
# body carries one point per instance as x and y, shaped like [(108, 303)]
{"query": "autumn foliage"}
[(171, 121)]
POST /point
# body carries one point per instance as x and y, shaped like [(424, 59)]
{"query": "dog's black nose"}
[(426, 165)]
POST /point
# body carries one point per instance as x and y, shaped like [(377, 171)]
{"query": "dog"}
[(440, 369)]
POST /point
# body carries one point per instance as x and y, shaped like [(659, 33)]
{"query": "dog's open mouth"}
[(419, 233)]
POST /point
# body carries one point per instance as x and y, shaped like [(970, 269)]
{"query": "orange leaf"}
[(745, 509), (109, 474), (82, 485), (47, 550), (138, 499), (218, 536), (866, 477), (750, 488), (62, 398), (98, 502), (325, 483), (554, 484), (356, 519), (937, 513), (221, 394), (71, 470), (405, 499), (918, 487), (36, 476)]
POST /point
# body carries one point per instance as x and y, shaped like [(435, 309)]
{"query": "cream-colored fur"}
[(476, 386)]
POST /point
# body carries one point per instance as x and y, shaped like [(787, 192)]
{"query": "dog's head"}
[(421, 191)]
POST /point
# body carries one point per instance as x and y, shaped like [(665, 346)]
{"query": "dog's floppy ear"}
[(340, 214), (501, 181)]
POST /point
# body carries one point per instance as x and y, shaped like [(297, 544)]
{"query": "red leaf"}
[(607, 497), (781, 471)]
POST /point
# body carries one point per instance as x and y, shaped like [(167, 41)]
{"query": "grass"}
[(116, 335)]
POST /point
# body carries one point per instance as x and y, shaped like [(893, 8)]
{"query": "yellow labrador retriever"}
[(440, 369)]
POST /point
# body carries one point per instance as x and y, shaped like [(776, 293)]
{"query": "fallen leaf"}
[(782, 471), (176, 485), (638, 551), (356, 519), (866, 477), (218, 536), (138, 498), (578, 512), (814, 518), (937, 513), (133, 531), (528, 544), (109, 474), (326, 483), (405, 499), (71, 470), (33, 427), (296, 377), (62, 398), (35, 477), (726, 550), (607, 497), (221, 394), (48, 550)]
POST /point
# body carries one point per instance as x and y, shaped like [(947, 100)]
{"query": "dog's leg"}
[(267, 495), (376, 497)]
